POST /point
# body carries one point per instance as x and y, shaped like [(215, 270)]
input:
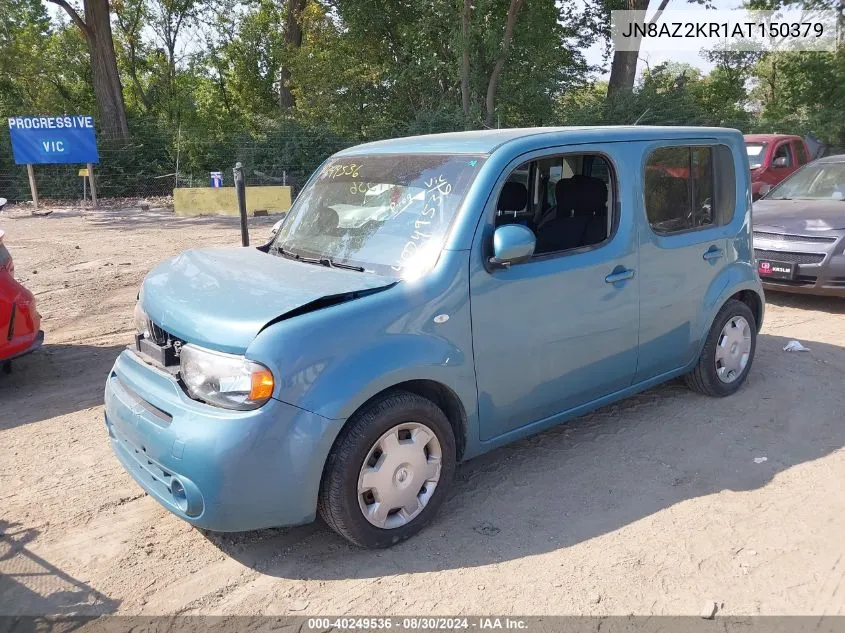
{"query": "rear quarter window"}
[(689, 187)]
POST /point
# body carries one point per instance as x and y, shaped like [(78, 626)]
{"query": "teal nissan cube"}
[(428, 299)]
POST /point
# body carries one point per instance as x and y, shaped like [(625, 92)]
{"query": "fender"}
[(735, 278), (332, 360), (348, 382)]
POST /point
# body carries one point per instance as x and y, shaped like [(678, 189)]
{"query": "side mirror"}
[(512, 244), (780, 161)]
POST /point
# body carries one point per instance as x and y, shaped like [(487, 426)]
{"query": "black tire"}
[(338, 501), (703, 378)]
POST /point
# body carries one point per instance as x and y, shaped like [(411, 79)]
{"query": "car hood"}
[(222, 298), (800, 216)]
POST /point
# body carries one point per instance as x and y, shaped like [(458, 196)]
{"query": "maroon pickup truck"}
[(773, 157)]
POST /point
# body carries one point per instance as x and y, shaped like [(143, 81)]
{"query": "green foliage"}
[(802, 93), (202, 82)]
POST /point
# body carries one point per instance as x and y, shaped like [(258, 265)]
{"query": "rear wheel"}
[(389, 470), (728, 352)]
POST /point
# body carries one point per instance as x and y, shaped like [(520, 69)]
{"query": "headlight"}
[(224, 380), (142, 321)]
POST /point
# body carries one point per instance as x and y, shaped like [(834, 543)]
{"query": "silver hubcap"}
[(733, 349), (399, 475)]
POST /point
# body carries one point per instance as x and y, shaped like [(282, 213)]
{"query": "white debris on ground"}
[(795, 346)]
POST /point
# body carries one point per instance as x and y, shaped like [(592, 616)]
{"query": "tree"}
[(108, 90), (493, 82), (623, 70), (466, 16), (168, 19), (293, 40), (131, 16)]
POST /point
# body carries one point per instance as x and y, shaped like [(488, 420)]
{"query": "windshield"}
[(387, 214), (813, 182), (756, 152)]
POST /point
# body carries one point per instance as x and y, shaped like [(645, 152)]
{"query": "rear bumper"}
[(218, 469), (37, 341)]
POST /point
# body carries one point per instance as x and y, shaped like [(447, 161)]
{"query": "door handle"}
[(713, 253), (622, 275)]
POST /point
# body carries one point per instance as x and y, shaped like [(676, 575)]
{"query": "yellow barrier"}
[(222, 200)]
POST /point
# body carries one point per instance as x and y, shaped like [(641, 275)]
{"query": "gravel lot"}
[(652, 506)]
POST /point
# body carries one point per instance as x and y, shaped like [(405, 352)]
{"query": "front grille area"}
[(785, 238), (158, 334), (792, 258)]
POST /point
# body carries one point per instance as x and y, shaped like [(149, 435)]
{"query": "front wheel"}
[(728, 352), (389, 470)]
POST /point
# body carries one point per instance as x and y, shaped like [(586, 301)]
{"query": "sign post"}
[(32, 188), (93, 186), (50, 140)]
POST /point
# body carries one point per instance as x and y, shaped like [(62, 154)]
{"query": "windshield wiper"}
[(285, 253), (323, 261)]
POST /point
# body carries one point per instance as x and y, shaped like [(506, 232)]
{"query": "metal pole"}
[(178, 148), (32, 188), (84, 188), (240, 192), (93, 187)]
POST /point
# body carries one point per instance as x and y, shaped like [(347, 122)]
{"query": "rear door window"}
[(689, 187)]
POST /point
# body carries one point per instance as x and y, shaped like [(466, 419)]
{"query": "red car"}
[(20, 323), (773, 157)]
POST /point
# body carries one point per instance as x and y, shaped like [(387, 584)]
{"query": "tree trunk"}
[(493, 83), (108, 91), (107, 87), (293, 39), (623, 70), (465, 97)]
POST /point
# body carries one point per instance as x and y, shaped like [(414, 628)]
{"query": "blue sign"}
[(217, 179), (45, 140)]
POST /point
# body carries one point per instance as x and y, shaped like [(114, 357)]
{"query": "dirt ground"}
[(652, 506)]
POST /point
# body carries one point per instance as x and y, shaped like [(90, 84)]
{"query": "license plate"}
[(777, 270)]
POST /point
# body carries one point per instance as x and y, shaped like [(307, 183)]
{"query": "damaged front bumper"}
[(216, 468)]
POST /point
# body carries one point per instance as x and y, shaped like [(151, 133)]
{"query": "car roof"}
[(836, 158), (768, 138), (487, 141)]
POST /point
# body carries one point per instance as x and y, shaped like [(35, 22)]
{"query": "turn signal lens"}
[(262, 385)]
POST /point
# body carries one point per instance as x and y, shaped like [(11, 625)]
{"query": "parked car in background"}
[(20, 323), (773, 157), (426, 300), (799, 230)]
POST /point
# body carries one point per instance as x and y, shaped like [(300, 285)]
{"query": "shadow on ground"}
[(831, 305), (594, 475), (54, 380), (30, 585)]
